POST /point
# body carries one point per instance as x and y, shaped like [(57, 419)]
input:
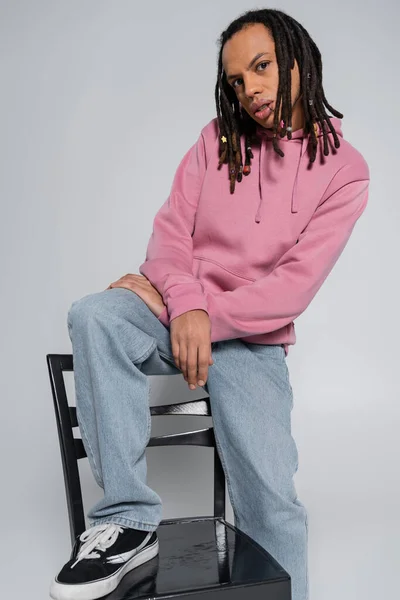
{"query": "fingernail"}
[(192, 386), (200, 382)]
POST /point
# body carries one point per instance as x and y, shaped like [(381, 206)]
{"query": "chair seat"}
[(205, 558)]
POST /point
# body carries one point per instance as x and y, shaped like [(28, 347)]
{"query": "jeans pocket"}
[(271, 351)]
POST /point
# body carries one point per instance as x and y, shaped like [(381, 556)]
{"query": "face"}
[(251, 68)]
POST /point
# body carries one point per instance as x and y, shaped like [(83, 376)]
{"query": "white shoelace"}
[(99, 537)]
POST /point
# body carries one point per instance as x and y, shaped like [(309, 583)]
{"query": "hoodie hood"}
[(267, 135)]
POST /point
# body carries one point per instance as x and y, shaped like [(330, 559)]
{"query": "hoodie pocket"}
[(216, 277)]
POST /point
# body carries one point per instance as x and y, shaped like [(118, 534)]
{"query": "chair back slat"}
[(202, 437), (79, 448), (73, 417), (196, 408)]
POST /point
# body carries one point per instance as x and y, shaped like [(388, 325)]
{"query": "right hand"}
[(190, 335)]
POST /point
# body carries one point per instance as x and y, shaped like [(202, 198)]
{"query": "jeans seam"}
[(227, 476), (290, 386), (121, 521), (146, 354), (148, 431)]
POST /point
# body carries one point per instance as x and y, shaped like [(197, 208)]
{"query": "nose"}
[(252, 86)]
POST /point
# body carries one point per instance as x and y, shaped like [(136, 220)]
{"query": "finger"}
[(136, 278), (192, 363), (139, 279), (204, 355), (183, 359), (175, 352)]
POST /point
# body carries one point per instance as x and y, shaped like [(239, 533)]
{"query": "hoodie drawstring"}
[(261, 161), (295, 197)]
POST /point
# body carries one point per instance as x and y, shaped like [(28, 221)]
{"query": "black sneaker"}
[(101, 556)]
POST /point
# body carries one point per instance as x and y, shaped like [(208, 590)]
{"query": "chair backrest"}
[(72, 448)]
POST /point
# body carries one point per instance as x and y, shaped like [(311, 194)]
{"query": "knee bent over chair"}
[(200, 558)]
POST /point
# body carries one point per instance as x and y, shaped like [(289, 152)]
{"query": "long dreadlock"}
[(292, 41)]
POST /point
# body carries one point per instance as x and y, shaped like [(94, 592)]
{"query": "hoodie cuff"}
[(163, 317), (191, 301)]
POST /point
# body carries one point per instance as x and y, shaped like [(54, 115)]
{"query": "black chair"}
[(200, 558)]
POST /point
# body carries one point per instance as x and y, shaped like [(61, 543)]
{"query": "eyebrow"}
[(257, 56)]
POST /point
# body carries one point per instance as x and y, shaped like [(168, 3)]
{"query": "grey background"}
[(99, 102)]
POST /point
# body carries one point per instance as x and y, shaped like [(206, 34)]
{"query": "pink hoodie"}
[(254, 260)]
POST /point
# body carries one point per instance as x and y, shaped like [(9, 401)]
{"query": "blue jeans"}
[(117, 342)]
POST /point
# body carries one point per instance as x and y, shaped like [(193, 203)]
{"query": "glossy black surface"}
[(205, 558)]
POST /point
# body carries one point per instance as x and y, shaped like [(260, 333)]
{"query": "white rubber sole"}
[(101, 587)]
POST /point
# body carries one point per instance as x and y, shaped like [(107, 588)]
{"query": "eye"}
[(233, 82), (265, 62)]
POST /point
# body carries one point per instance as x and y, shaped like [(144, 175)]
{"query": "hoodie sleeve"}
[(278, 298), (169, 255)]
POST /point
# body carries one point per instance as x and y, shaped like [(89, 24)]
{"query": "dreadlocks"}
[(292, 41)]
